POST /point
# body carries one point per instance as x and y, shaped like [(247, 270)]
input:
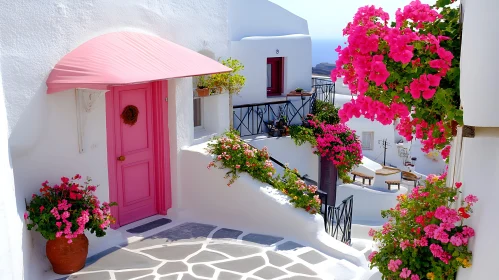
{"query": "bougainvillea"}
[(425, 237), (67, 210), (340, 144), (232, 153), (336, 142), (407, 69)]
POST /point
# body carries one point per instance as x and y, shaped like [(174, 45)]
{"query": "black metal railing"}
[(250, 119), (325, 89), (339, 221)]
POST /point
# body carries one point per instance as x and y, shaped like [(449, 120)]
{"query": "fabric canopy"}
[(126, 58)]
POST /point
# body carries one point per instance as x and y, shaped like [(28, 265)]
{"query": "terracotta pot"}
[(67, 258), (202, 92)]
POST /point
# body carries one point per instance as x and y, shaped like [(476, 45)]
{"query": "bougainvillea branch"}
[(407, 70)]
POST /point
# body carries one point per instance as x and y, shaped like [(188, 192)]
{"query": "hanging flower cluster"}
[(67, 210), (338, 143), (425, 237), (408, 69), (232, 153)]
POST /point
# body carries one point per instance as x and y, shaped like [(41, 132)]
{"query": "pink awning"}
[(126, 58)]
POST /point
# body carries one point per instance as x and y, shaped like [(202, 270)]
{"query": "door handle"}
[(121, 158)]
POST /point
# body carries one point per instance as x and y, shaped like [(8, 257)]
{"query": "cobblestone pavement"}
[(198, 251)]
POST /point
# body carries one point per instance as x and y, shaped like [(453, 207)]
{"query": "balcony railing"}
[(250, 119), (337, 220)]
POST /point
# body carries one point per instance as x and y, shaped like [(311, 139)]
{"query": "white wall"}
[(368, 203), (262, 18), (286, 151), (251, 205), (253, 53), (11, 257), (479, 53), (480, 155), (42, 128)]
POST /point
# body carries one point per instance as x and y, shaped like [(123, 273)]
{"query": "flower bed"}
[(425, 238), (67, 210), (238, 156)]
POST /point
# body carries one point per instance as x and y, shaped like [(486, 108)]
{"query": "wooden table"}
[(385, 174)]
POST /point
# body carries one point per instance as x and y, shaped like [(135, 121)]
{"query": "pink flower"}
[(372, 232), (458, 185), (415, 277), (58, 224), (404, 244), (58, 234), (26, 215), (393, 265), (372, 255), (41, 208), (468, 231), (65, 180), (406, 273), (92, 188), (471, 199)]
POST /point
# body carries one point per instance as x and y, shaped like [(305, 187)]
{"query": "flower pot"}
[(67, 258), (202, 92)]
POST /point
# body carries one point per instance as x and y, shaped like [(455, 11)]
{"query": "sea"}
[(323, 50)]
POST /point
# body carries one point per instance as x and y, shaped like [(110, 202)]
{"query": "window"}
[(367, 140), (198, 111), (275, 76)]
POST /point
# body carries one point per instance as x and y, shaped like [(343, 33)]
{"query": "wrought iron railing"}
[(250, 119), (324, 89), (339, 220)]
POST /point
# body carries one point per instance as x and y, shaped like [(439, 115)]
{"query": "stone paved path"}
[(193, 251)]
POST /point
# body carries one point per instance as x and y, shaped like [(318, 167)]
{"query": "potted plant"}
[(232, 81), (62, 213), (299, 90), (203, 86)]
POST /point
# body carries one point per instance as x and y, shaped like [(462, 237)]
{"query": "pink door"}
[(134, 135)]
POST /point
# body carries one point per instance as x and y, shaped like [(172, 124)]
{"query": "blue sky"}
[(327, 18)]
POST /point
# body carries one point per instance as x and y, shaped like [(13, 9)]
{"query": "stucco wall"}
[(11, 233), (253, 53), (42, 128), (286, 151), (368, 203), (262, 18)]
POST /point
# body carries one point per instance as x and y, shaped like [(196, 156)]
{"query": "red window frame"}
[(277, 76)]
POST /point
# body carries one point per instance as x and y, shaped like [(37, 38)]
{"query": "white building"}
[(275, 48), (76, 128)]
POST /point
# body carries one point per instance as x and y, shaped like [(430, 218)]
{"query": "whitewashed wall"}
[(285, 150), (480, 155), (253, 53), (11, 256), (368, 203), (42, 128), (262, 18)]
